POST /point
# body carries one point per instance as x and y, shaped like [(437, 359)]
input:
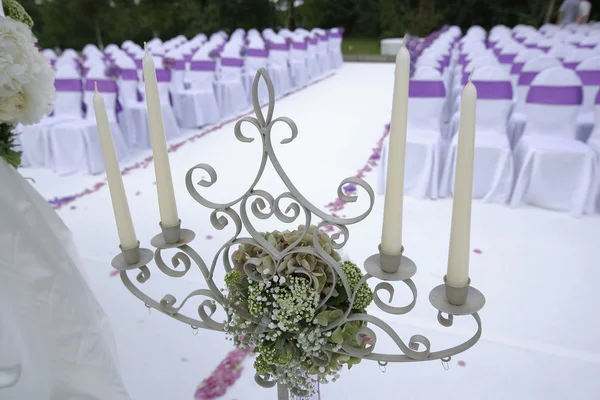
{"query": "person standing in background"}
[(568, 12), (584, 12)]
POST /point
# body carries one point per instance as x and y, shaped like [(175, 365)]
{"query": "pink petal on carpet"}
[(209, 237), (476, 251), (73, 207), (462, 363), (114, 273), (138, 193)]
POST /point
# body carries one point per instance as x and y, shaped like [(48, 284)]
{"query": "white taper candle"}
[(113, 174), (162, 168), (391, 240), (460, 234)]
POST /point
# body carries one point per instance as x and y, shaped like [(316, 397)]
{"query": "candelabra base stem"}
[(282, 392)]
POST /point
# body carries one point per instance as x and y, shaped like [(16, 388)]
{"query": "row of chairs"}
[(528, 148), (201, 82)]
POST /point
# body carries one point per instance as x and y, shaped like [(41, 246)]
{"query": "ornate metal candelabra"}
[(450, 301)]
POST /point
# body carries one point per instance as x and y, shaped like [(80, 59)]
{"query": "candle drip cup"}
[(132, 258), (389, 267), (455, 300), (172, 236)]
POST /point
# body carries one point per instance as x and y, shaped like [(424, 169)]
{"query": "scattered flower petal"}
[(476, 251), (114, 272), (209, 237), (462, 363)]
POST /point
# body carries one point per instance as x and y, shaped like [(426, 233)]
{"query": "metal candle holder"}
[(450, 301)]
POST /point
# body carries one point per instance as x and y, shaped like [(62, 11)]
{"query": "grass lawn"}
[(361, 46)]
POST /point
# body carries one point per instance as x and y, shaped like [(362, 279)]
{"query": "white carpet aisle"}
[(539, 270)]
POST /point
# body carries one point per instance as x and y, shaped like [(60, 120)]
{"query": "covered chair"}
[(493, 164), (554, 169), (257, 56), (193, 107), (574, 58), (335, 47), (589, 73), (561, 50), (75, 144), (519, 62), (424, 143), (594, 143), (528, 73), (279, 53), (35, 140), (130, 99), (231, 95)]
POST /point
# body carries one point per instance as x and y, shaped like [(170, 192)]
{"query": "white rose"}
[(17, 56), (26, 76), (10, 107)]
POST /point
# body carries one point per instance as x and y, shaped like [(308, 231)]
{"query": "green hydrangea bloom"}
[(15, 11), (364, 296)]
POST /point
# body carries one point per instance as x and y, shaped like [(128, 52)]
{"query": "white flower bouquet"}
[(290, 313), (26, 79)]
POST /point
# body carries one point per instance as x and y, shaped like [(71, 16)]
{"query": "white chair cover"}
[(589, 73), (193, 107), (594, 143), (35, 140), (554, 170), (231, 95), (529, 71), (336, 60), (279, 53), (55, 341), (493, 166)]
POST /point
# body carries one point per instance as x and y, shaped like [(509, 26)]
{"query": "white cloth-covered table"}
[(55, 341)]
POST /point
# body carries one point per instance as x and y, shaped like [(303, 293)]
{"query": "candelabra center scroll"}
[(286, 294)]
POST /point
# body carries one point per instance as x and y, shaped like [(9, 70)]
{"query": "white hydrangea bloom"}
[(26, 77)]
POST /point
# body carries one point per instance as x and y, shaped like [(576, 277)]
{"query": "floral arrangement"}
[(168, 63), (289, 40), (26, 79), (213, 54), (289, 312), (243, 51), (112, 71)]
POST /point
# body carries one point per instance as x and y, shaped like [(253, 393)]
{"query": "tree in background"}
[(92, 10), (159, 16), (390, 23)]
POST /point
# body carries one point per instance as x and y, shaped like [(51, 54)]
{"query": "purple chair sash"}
[(323, 38), (492, 43), (497, 51), (204, 66), (232, 62), (462, 58), (129, 74), (506, 58), (104, 85), (526, 77), (53, 62), (586, 46), (589, 78), (187, 58), (313, 41), (139, 64), (445, 61), (520, 40), (335, 35), (555, 95), (279, 46), (180, 65), (598, 98), (85, 71), (571, 65), (68, 85), (516, 68), (493, 90), (299, 46), (545, 49), (530, 45), (163, 75), (263, 53), (426, 89)]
